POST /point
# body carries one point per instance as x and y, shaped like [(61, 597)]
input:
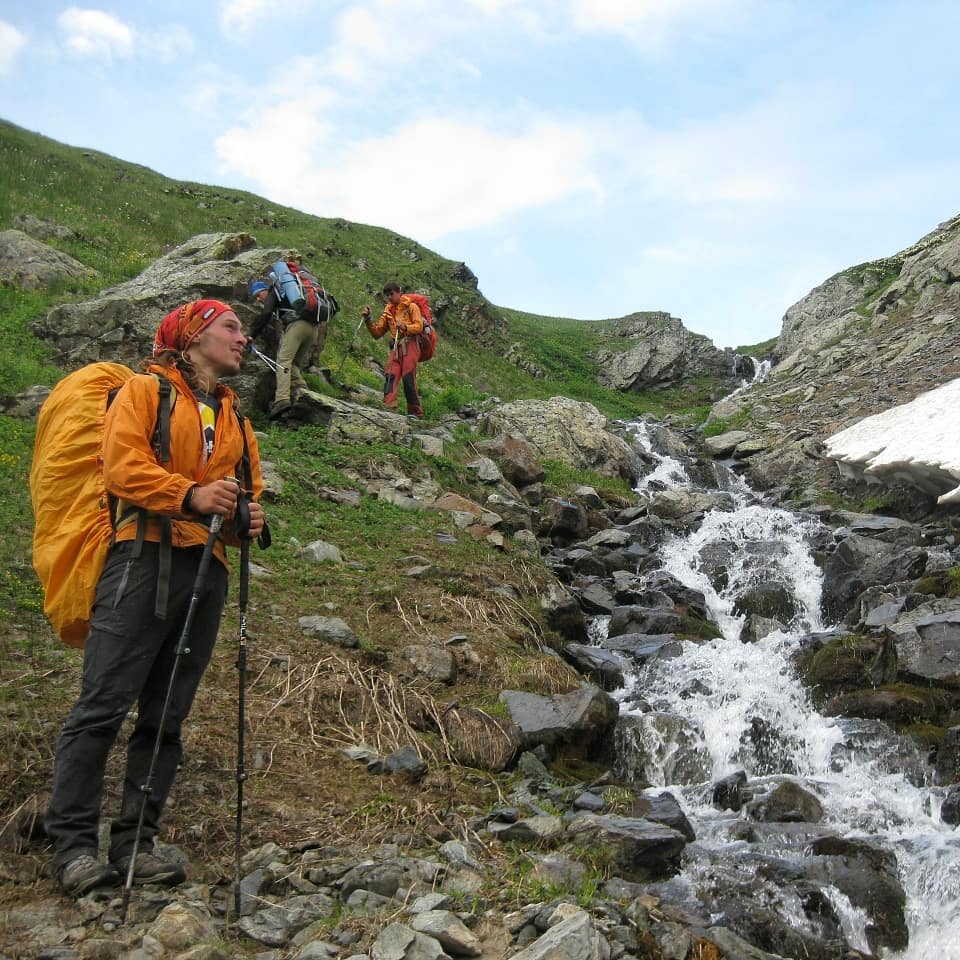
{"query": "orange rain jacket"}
[(406, 311), (132, 473)]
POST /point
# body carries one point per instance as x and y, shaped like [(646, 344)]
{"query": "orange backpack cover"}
[(72, 523)]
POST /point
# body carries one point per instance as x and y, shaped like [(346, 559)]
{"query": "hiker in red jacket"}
[(401, 318)]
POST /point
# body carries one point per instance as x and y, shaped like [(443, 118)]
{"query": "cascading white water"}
[(722, 688), (760, 370)]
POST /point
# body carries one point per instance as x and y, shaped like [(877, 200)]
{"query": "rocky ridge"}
[(867, 339)]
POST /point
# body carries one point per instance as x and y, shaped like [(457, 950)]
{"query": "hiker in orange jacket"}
[(131, 649), (402, 320)]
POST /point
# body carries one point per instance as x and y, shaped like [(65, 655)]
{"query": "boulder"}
[(638, 849), (568, 431), (563, 613), (572, 938), (788, 802), (603, 667), (29, 264), (860, 562), (578, 721), (517, 457)]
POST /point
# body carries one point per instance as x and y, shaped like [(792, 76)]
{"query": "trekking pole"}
[(216, 522), (349, 347), (272, 364), (241, 712)]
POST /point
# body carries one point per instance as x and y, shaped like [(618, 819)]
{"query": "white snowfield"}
[(917, 443)]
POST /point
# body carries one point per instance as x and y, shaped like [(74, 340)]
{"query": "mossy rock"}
[(844, 664), (899, 704)]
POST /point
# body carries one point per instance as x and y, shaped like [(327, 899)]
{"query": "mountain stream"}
[(872, 783)]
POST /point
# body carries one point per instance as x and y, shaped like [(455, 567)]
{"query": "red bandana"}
[(180, 327)]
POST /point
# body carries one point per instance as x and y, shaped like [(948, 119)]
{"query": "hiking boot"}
[(278, 408), (84, 873), (151, 869)]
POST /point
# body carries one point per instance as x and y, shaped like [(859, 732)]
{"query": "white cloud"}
[(242, 16), (361, 37), (167, 44), (93, 33), (427, 179), (652, 23), (11, 43)]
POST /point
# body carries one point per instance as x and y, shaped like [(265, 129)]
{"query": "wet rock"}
[(769, 599), (728, 793), (756, 628), (660, 747), (876, 742), (661, 807), (644, 620), (596, 598), (787, 802), (898, 703), (643, 648), (676, 503), (848, 662), (950, 808), (948, 757)]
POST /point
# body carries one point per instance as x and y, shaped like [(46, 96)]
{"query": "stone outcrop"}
[(30, 264), (121, 322), (647, 350)]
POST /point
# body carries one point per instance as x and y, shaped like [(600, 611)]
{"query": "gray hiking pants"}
[(128, 658)]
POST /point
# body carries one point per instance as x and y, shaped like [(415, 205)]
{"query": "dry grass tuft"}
[(478, 740)]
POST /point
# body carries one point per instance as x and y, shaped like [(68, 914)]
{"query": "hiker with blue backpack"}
[(294, 298), (182, 467)]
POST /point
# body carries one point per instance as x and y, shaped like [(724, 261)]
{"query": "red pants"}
[(402, 368)]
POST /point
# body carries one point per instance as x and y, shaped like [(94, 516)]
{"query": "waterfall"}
[(760, 370), (740, 706)]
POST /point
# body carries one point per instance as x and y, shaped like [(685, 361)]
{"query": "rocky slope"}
[(867, 339)]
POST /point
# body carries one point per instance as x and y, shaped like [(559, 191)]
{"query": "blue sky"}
[(586, 158)]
